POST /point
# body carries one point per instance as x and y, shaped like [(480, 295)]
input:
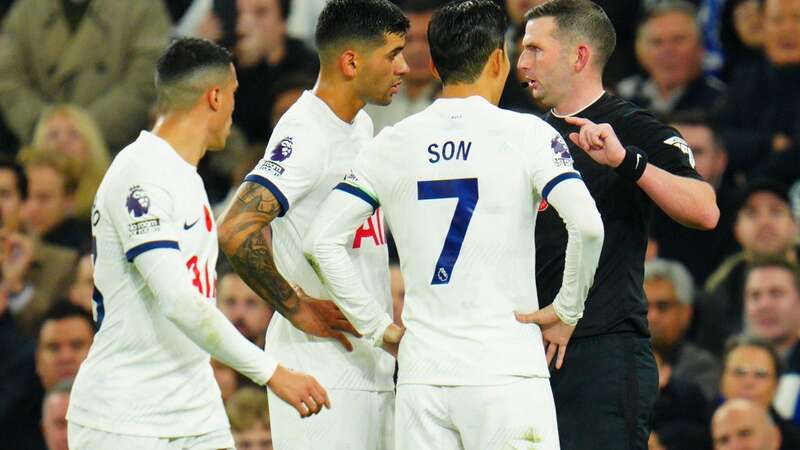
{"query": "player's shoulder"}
[(140, 163)]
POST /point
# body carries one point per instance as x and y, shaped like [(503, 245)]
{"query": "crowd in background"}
[(76, 86)]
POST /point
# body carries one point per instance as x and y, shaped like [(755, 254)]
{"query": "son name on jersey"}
[(449, 150)]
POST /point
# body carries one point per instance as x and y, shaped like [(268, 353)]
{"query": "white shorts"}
[(517, 416), (362, 420), (83, 438)]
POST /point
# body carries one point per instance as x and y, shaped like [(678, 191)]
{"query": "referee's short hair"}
[(674, 272), (580, 19)]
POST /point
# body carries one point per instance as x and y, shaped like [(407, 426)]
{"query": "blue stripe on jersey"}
[(558, 179), (272, 188), (97, 297), (350, 189), (141, 248)]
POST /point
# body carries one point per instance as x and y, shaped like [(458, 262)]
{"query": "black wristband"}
[(633, 165)]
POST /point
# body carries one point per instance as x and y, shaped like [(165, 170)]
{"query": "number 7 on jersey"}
[(466, 191)]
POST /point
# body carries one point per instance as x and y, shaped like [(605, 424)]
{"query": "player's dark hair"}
[(20, 179), (63, 309), (580, 18), (178, 69), (462, 37), (366, 21)]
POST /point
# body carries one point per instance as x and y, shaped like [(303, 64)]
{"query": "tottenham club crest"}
[(561, 156), (283, 150), (138, 203)]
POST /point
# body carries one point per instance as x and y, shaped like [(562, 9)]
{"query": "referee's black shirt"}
[(616, 301)]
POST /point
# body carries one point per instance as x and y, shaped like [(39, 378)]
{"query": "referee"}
[(607, 383)]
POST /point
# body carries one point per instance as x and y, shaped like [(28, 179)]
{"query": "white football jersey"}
[(459, 182), (142, 375), (309, 153)]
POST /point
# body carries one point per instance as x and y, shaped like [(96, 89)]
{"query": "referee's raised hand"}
[(598, 140)]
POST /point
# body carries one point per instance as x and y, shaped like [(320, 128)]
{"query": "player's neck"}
[(339, 97), (581, 96), (180, 132), (484, 90)]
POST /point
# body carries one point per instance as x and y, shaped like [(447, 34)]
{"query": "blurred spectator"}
[(764, 226), (701, 251), (244, 308), (214, 20), (654, 442), (670, 294), (741, 424), (287, 91), (54, 416), (772, 312), (760, 120), (72, 131), (227, 379), (419, 86), (772, 306), (64, 340), (50, 208), (98, 54), (681, 413), (742, 34), (265, 54), (516, 9), (80, 292), (248, 413), (302, 21), (34, 274), (751, 370), (31, 369), (669, 47)]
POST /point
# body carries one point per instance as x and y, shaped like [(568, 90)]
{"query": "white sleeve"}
[(575, 205), (557, 182), (141, 211), (345, 210), (165, 275), (290, 167)]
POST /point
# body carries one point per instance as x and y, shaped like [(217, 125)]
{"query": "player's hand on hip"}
[(301, 391), (556, 333), (321, 318), (598, 140), (392, 337)]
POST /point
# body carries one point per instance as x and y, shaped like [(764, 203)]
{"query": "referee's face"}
[(543, 62)]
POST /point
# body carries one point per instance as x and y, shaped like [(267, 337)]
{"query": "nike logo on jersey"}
[(187, 225)]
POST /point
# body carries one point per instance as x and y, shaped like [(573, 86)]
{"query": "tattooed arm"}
[(244, 238)]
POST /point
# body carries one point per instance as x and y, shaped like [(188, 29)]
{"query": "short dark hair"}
[(344, 21), (183, 60), (766, 261), (63, 309), (745, 340), (462, 36), (580, 18), (20, 179)]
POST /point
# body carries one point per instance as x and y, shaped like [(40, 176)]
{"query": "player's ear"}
[(497, 61), (214, 98), (582, 56), (349, 63)]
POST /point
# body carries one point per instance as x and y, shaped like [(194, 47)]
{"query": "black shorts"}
[(605, 393)]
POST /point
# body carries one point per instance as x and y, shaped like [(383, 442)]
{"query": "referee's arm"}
[(689, 201)]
